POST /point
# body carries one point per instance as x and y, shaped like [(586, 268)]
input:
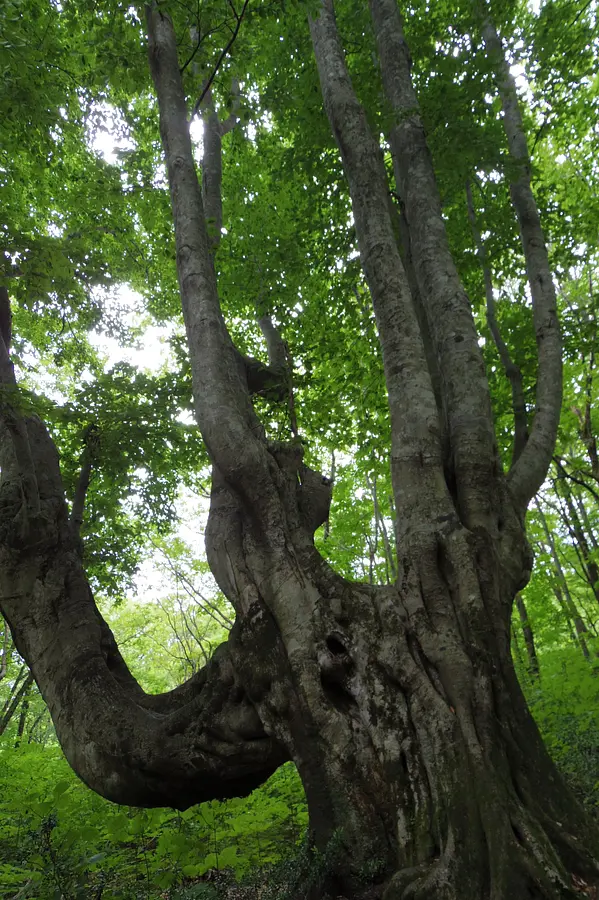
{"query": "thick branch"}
[(263, 380), (5, 319), (512, 371), (415, 428), (224, 412), (212, 172), (450, 318), (203, 740), (530, 469), (402, 236), (275, 345), (19, 500)]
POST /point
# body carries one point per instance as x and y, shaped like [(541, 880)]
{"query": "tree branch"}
[(19, 496), (88, 460), (203, 740), (212, 169), (416, 455), (208, 85), (529, 471), (468, 405), (224, 412), (512, 371)]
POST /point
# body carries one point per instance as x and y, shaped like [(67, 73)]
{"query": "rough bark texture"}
[(398, 703)]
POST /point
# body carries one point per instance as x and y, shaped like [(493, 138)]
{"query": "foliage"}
[(61, 839)]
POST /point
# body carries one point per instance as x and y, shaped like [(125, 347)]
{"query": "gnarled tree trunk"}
[(398, 704)]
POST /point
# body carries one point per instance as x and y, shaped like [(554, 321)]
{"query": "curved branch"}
[(529, 471), (201, 741), (512, 371)]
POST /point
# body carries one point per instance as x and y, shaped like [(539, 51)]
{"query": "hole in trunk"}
[(335, 646), (337, 695)]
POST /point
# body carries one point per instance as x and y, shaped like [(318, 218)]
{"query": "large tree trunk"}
[(398, 703)]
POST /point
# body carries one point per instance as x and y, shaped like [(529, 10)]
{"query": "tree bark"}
[(467, 406)]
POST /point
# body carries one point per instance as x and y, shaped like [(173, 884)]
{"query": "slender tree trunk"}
[(562, 604), (574, 524), (589, 530), (512, 371), (533, 662), (13, 705), (23, 714), (562, 589)]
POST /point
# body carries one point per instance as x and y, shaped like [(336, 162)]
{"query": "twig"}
[(222, 56)]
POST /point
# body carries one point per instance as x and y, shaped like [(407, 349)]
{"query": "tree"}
[(398, 702)]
